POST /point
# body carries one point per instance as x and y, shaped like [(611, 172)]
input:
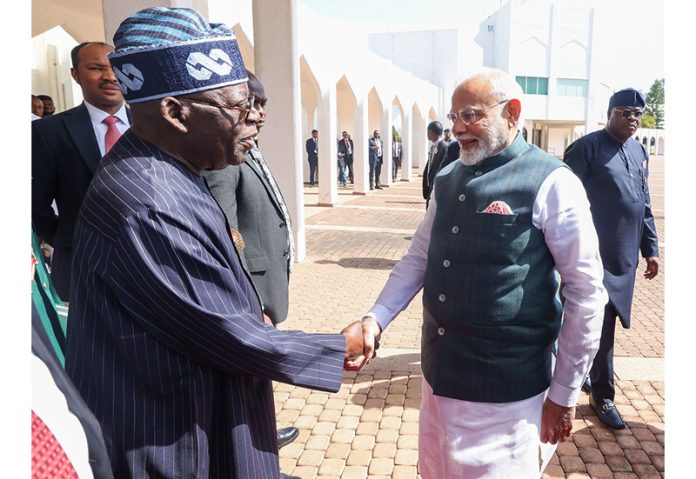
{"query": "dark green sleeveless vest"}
[(490, 299)]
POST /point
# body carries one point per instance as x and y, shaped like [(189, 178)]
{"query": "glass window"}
[(534, 85), (571, 87)]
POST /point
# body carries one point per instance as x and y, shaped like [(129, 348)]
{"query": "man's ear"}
[(75, 75), (514, 110), (175, 114)]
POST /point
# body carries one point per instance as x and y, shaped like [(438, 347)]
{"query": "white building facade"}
[(336, 75)]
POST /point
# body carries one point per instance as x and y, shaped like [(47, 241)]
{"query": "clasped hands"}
[(362, 342)]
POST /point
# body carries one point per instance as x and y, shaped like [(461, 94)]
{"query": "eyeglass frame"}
[(245, 111), (453, 117), (637, 114)]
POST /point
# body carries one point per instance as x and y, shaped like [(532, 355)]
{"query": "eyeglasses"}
[(470, 115), (630, 113), (245, 110)]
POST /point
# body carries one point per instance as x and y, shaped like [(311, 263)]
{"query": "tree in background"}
[(655, 103), (648, 121)]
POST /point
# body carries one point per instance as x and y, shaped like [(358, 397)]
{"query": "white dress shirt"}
[(562, 212), (97, 116)]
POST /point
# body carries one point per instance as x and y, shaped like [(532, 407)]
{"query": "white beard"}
[(492, 140)]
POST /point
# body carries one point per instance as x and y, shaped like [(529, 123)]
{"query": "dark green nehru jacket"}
[(490, 299)]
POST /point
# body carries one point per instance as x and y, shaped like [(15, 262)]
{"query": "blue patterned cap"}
[(173, 51)]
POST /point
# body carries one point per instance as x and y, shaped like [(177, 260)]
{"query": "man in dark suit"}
[(345, 152), (254, 206), (66, 149), (375, 147), (438, 150), (178, 367), (396, 158), (613, 168), (312, 156)]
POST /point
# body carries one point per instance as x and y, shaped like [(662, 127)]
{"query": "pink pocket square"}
[(498, 208)]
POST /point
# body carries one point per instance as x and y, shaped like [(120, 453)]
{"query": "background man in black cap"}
[(613, 168)]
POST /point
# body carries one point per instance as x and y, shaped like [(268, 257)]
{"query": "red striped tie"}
[(48, 458)]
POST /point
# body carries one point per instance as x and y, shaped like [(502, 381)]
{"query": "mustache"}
[(109, 83)]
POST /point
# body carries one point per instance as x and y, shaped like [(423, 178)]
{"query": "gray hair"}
[(503, 85)]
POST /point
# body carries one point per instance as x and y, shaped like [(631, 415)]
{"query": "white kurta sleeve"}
[(562, 213), (406, 279)]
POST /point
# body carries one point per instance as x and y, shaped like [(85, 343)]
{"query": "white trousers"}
[(463, 439)]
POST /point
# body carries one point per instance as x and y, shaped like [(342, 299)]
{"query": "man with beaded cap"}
[(501, 221), (166, 339)]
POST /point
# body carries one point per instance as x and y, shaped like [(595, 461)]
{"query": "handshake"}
[(362, 342)]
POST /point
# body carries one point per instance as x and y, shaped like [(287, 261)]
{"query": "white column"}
[(361, 155), (328, 150), (407, 146), (116, 12), (278, 66), (385, 178)]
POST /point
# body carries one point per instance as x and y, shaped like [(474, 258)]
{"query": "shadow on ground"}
[(361, 263)]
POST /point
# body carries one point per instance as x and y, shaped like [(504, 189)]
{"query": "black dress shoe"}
[(287, 476), (371, 188), (378, 187), (586, 386), (286, 435), (607, 413)]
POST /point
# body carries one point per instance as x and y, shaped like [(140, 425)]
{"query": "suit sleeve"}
[(648, 242), (438, 159), (43, 186), (174, 283)]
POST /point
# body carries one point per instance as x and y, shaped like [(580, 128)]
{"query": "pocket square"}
[(498, 208)]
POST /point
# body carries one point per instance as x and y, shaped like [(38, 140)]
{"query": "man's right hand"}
[(371, 333), (354, 347)]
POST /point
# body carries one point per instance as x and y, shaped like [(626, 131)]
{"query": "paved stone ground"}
[(370, 427)]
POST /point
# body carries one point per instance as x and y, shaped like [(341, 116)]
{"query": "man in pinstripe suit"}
[(166, 339)]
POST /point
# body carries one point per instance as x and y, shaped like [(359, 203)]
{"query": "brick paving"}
[(370, 427)]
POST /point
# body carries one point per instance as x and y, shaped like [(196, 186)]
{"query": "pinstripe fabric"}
[(166, 341)]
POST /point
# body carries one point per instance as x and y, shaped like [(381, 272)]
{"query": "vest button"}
[(442, 297), (478, 173), (441, 331), (446, 263), (455, 229), (462, 197)]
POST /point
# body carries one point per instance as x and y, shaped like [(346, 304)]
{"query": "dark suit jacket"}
[(347, 157), (432, 169), (250, 206), (312, 157), (615, 177), (372, 145), (64, 156)]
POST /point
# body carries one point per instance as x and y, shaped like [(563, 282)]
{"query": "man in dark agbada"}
[(613, 168), (166, 340)]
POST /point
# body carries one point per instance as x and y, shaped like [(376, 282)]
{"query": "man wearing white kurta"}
[(502, 223)]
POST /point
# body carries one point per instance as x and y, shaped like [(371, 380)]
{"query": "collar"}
[(513, 149), (97, 115), (611, 138)]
